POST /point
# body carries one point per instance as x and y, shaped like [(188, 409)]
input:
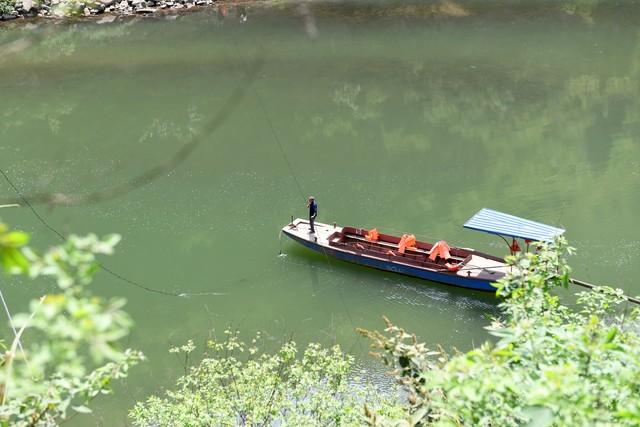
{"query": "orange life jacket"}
[(406, 241), (440, 249), (372, 235)]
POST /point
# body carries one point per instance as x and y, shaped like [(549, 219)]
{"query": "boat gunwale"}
[(433, 267), (452, 278), (458, 254)]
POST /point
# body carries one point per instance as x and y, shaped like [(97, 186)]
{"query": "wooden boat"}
[(463, 267)]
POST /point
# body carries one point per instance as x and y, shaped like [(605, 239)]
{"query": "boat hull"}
[(394, 267)]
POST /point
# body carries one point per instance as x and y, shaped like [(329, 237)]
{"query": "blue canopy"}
[(503, 224)]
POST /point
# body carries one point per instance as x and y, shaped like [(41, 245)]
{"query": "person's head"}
[(311, 199)]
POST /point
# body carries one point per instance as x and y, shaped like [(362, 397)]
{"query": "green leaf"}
[(13, 260), (14, 239), (611, 335), (81, 409), (539, 416), (502, 332)]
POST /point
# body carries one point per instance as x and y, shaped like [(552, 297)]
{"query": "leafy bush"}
[(264, 389), (552, 365), (65, 352), (6, 6)]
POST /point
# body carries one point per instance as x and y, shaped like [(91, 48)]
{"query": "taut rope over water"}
[(230, 105), (101, 265)]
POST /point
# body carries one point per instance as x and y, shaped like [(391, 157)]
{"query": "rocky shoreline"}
[(78, 8)]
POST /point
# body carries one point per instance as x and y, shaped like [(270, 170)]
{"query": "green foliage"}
[(11, 244), (68, 352), (6, 6), (552, 365), (236, 384), (69, 8)]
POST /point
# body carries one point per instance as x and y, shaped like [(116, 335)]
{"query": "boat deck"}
[(473, 264), (301, 229)]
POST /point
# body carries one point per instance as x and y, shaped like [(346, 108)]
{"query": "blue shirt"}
[(313, 208)]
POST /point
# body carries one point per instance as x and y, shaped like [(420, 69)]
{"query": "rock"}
[(60, 11), (86, 11), (7, 17), (27, 5), (31, 10), (146, 10), (107, 19)]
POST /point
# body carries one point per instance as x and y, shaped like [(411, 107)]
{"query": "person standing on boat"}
[(313, 212)]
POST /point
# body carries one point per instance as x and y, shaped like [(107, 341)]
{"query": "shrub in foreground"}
[(65, 349), (552, 364), (237, 384)]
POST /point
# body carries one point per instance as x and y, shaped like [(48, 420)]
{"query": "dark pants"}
[(312, 219)]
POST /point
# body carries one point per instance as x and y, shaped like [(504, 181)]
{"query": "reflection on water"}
[(407, 117)]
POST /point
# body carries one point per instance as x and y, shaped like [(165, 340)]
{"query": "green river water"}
[(405, 116)]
